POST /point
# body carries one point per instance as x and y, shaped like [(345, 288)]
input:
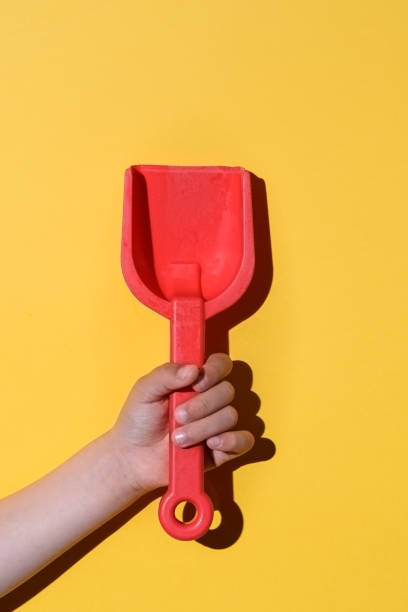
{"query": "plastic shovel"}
[(187, 253)]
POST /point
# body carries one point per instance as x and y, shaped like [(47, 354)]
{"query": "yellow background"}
[(310, 96)]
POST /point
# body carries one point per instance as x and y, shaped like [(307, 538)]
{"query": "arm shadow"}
[(219, 483)]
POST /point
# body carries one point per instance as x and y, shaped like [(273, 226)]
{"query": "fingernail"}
[(180, 437), (185, 372), (215, 442), (181, 415)]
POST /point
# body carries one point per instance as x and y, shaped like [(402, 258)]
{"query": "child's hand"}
[(119, 466), (112, 471), (142, 426)]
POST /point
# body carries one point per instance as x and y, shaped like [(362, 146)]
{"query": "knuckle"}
[(168, 369), (222, 356), (164, 368), (229, 390), (203, 406), (219, 364), (199, 407), (140, 384), (251, 440), (227, 359), (212, 371), (232, 415), (225, 362)]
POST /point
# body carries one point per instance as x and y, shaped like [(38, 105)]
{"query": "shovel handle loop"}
[(186, 465)]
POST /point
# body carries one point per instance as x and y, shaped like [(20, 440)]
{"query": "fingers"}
[(204, 404), (210, 426), (236, 442), (171, 376), (209, 417), (229, 445), (163, 380), (217, 367)]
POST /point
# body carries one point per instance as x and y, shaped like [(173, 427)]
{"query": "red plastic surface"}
[(186, 465), (187, 253)]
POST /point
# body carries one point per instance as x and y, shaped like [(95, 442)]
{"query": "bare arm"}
[(40, 522)]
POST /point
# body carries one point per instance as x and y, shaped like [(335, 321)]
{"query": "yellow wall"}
[(312, 97)]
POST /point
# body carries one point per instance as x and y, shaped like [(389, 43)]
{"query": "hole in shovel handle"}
[(193, 529)]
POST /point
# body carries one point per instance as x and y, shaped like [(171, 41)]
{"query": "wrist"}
[(130, 487), (134, 468)]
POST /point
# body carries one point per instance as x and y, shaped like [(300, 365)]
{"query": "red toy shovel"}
[(187, 253)]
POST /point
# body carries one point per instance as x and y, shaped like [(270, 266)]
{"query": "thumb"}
[(164, 379)]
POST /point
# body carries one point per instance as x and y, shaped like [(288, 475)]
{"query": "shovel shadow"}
[(219, 483)]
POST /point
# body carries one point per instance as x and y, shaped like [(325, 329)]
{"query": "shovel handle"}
[(186, 465)]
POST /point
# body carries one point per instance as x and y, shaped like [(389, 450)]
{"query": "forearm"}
[(44, 519)]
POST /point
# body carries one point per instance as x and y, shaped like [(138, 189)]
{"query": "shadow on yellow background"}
[(219, 482), (310, 96)]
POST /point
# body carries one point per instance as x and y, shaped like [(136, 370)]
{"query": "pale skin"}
[(41, 521)]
